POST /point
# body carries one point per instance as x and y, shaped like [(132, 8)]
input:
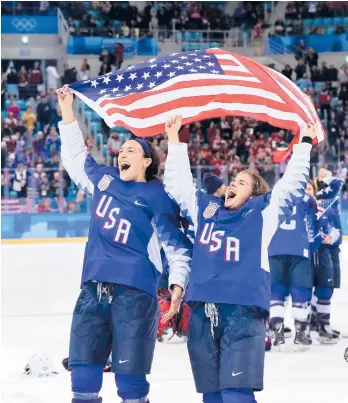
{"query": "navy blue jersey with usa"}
[(230, 255), (294, 236), (130, 223)]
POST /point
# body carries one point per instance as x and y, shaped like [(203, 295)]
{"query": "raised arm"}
[(290, 189), (334, 185), (178, 180), (74, 151)]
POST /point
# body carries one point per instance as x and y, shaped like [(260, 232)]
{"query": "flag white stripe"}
[(235, 68), (191, 111), (157, 99), (196, 77)]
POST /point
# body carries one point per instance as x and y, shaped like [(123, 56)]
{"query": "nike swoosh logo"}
[(139, 204), (122, 361), (237, 373), (246, 213), (329, 279)]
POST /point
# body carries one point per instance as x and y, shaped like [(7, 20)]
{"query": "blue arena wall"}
[(56, 225)]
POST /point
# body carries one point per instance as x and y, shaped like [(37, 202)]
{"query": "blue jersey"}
[(329, 200), (230, 255), (293, 237), (130, 223)]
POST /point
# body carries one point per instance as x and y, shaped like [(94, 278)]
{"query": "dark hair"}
[(314, 186), (152, 169)]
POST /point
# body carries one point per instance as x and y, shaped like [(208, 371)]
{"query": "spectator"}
[(29, 118), (104, 69), (23, 82), (300, 51), (58, 187), (12, 76), (69, 75), (339, 30), (312, 58), (52, 100), (28, 139), (324, 72), (20, 181), (119, 55), (325, 103), (44, 205), (35, 76), (32, 103), (315, 74), (11, 121), (114, 145), (343, 75), (44, 113), (304, 82), (14, 109), (106, 58), (332, 73), (343, 96), (45, 187), (52, 77), (83, 74), (71, 208), (53, 143), (287, 72), (300, 69)]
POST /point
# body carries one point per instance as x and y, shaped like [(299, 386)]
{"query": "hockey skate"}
[(279, 339), (326, 335), (301, 341)]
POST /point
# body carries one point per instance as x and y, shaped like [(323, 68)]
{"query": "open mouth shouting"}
[(230, 197), (124, 166)]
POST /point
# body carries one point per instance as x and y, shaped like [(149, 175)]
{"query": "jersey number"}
[(289, 225)]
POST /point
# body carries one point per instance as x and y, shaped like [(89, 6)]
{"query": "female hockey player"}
[(326, 267), (291, 272), (229, 290), (117, 308)]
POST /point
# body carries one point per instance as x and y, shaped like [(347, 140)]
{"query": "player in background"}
[(214, 185), (229, 289), (326, 272), (117, 310), (291, 272)]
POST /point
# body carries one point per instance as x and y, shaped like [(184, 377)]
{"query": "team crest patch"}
[(104, 182), (210, 210)]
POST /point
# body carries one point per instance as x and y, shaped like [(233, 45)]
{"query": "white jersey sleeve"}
[(178, 181), (74, 153), (288, 191)]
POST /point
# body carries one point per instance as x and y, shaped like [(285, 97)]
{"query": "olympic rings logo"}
[(24, 24)]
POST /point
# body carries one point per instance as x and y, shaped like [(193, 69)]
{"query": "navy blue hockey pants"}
[(227, 360), (113, 318)]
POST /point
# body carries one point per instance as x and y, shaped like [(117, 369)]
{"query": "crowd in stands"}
[(30, 144), (313, 18)]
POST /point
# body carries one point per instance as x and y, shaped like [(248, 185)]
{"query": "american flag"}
[(198, 85)]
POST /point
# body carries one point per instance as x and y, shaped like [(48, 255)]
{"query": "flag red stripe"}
[(143, 113), (158, 129), (125, 101)]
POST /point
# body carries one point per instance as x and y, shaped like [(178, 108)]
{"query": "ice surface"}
[(40, 284)]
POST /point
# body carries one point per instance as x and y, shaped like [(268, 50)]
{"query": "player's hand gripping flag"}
[(198, 85)]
